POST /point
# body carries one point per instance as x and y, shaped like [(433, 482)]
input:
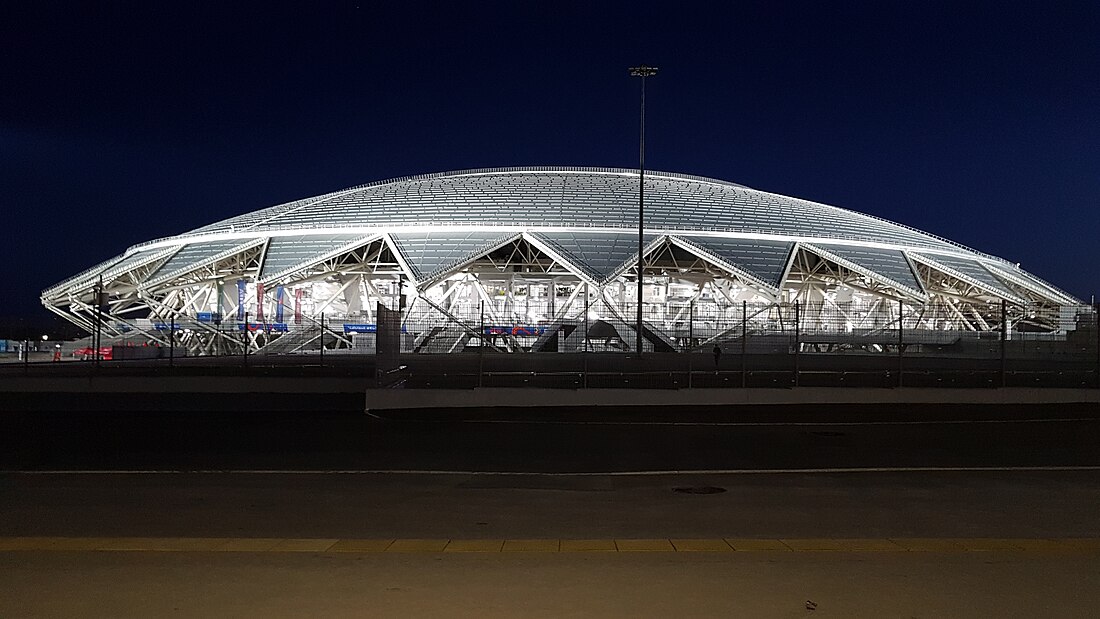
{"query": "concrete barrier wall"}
[(395, 399), (388, 399)]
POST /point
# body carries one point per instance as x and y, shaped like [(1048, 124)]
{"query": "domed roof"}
[(554, 197), (587, 217)]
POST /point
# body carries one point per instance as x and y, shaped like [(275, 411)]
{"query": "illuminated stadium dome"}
[(530, 259)]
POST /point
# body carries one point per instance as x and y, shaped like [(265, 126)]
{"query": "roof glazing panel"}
[(888, 263), (193, 256), (288, 253), (432, 253), (134, 261), (766, 260), (973, 270), (600, 255), (1037, 283)]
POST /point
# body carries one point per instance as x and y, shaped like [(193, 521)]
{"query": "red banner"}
[(297, 306), (260, 302)]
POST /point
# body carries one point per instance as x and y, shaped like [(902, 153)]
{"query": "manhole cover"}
[(699, 490)]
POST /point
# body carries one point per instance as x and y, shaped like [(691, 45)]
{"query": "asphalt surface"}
[(558, 440), (837, 471), (813, 473), (948, 504)]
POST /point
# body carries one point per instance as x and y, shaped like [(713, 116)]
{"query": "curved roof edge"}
[(528, 169), (192, 236), (474, 172)]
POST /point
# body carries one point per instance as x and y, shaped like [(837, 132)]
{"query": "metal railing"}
[(697, 345)]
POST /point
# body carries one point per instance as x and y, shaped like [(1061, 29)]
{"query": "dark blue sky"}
[(120, 123)]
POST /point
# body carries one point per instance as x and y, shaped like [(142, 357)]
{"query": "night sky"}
[(120, 123)]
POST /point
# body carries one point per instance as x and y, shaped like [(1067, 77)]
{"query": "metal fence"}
[(696, 345)]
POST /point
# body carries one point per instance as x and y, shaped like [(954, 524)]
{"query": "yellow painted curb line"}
[(701, 545), (532, 545)]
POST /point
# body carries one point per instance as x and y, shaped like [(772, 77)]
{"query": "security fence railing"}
[(822, 328), (692, 345)]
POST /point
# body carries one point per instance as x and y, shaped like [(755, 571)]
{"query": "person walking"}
[(717, 355)]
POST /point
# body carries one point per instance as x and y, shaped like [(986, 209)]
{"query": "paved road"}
[(963, 504), (979, 577), (559, 440), (861, 473)]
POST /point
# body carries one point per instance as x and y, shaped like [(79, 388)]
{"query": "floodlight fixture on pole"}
[(642, 72)]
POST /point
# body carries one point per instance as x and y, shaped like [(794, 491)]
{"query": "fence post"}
[(247, 335), (172, 343), (322, 338), (1004, 337), (901, 343), (584, 369), (797, 337), (744, 341), (481, 341), (1096, 313), (27, 356), (691, 338), (98, 311)]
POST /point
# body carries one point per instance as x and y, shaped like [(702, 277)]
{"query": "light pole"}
[(642, 72)]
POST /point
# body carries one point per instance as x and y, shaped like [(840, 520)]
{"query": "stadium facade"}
[(533, 259)]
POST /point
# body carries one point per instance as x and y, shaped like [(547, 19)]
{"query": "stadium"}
[(545, 260)]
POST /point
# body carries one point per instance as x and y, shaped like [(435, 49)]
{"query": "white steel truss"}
[(520, 294)]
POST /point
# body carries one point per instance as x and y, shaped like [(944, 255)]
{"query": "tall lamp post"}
[(642, 72)]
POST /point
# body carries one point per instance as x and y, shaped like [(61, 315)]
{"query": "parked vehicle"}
[(86, 353)]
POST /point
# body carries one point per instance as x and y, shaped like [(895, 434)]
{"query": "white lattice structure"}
[(535, 248)]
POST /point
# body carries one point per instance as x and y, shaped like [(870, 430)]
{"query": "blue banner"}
[(278, 304), (364, 328), (242, 286)]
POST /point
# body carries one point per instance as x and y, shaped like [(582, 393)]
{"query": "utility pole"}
[(642, 72), (1096, 314), (98, 302), (1004, 337), (481, 342)]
